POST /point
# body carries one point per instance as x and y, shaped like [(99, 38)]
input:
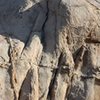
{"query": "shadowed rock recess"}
[(49, 49)]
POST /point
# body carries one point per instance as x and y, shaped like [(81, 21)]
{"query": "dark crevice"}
[(23, 85), (79, 57), (90, 40), (43, 27), (68, 91), (97, 81), (54, 78), (69, 88), (55, 71)]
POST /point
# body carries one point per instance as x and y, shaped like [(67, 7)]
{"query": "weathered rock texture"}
[(49, 49)]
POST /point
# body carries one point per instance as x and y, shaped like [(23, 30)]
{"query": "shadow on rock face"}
[(58, 19), (19, 18)]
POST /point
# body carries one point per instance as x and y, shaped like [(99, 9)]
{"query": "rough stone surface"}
[(49, 49)]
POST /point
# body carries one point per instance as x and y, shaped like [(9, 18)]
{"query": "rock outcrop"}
[(49, 50)]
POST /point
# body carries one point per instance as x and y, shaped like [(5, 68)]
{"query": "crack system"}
[(11, 70), (43, 27)]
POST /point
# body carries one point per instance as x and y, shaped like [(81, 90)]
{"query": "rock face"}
[(49, 49)]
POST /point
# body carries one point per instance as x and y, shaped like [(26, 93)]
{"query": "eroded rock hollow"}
[(49, 49)]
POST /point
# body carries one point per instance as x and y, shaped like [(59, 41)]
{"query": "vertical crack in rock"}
[(79, 58), (12, 72), (43, 27), (56, 71), (28, 87)]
